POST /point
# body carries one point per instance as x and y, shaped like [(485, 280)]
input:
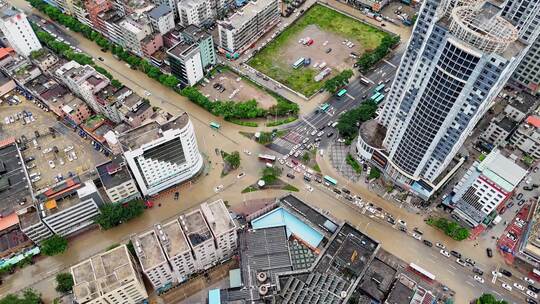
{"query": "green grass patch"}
[(291, 188), (301, 80), (281, 121), (317, 168), (249, 189), (244, 123), (354, 164), (481, 157)]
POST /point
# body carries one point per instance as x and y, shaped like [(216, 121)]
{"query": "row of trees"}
[(338, 81), (28, 296), (113, 215), (450, 228), (370, 58), (349, 122)]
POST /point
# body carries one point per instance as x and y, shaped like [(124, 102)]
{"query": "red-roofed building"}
[(527, 136)]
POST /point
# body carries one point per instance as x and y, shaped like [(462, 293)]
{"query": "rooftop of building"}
[(137, 137), (218, 217), (321, 222), (245, 14), (524, 103), (112, 16), (136, 111), (4, 78), (195, 227), (502, 170), (7, 11), (177, 242), (159, 11), (400, 293), (182, 49), (66, 194), (113, 173), (149, 250), (56, 93), (373, 133), (15, 189), (41, 84), (506, 124), (263, 251), (531, 240), (378, 279), (102, 274), (195, 32), (534, 121)]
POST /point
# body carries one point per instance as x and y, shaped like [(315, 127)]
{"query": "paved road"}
[(41, 274)]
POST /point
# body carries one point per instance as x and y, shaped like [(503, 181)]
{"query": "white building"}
[(527, 137), (117, 182), (162, 155), (195, 12), (186, 63), (107, 278), (135, 31), (17, 30), (154, 264), (247, 25), (498, 131), (72, 209), (162, 19), (84, 81), (485, 186), (177, 249)]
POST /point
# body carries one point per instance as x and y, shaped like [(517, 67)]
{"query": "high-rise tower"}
[(459, 57)]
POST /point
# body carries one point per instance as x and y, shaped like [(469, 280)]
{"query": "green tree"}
[(233, 160), (306, 157), (29, 296), (64, 282), (54, 245), (349, 122), (374, 173), (271, 174), (488, 298), (113, 215), (115, 83), (338, 81)]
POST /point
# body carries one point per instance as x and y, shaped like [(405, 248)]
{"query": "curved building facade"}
[(162, 155), (459, 57)]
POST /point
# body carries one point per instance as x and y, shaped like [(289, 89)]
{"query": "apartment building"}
[(152, 259), (162, 19), (247, 25), (117, 182), (162, 155), (527, 137), (520, 107), (177, 250), (431, 83), (195, 12), (84, 81), (485, 187), (17, 30), (499, 131), (135, 29), (69, 206), (95, 9), (193, 34), (186, 63), (108, 278)]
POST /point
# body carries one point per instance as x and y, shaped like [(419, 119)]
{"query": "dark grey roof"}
[(16, 188), (318, 220), (400, 294), (507, 124), (526, 104), (378, 279), (159, 11), (113, 173)]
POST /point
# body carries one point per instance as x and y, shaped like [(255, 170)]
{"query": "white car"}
[(147, 93), (461, 262), (531, 294), (445, 253), (439, 245), (479, 279), (218, 188), (51, 164), (506, 286), (417, 236), (496, 274), (320, 134), (46, 150), (241, 174), (402, 222), (528, 280), (309, 188), (247, 152), (519, 286)]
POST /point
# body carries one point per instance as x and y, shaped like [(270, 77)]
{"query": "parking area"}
[(51, 150), (227, 85)]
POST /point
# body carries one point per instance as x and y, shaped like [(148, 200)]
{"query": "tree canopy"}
[(450, 228), (113, 215), (28, 296), (64, 282), (488, 298), (349, 122), (233, 160), (54, 245), (338, 81)]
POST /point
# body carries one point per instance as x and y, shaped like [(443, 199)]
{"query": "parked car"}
[(290, 175), (533, 288), (455, 253), (489, 252), (427, 243), (505, 272), (439, 245)]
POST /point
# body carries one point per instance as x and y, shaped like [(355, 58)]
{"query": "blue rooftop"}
[(282, 217)]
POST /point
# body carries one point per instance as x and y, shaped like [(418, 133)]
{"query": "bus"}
[(267, 157), (324, 107), (379, 99), (364, 80), (341, 93), (379, 87), (375, 96), (421, 271), (330, 180), (298, 63), (215, 125)]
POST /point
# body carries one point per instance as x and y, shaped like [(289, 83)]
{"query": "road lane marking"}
[(350, 96), (391, 64), (470, 283), (450, 271), (453, 266)]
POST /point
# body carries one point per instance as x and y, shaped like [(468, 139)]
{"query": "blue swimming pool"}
[(281, 217)]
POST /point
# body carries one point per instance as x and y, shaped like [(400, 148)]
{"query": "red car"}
[(149, 204)]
